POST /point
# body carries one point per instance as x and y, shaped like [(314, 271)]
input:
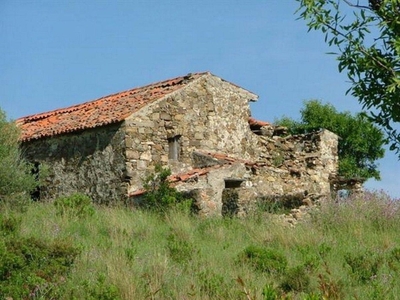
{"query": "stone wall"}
[(208, 114), (207, 190), (297, 169), (90, 162), (297, 163)]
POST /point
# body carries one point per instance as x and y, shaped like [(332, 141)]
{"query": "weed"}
[(211, 284), (76, 205), (311, 259), (101, 290), (180, 249), (270, 292), (272, 206), (278, 158), (30, 267), (295, 279), (264, 259), (178, 256), (329, 288), (364, 267), (9, 224), (131, 252), (393, 259), (313, 296)]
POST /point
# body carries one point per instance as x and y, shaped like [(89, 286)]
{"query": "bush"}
[(295, 279), (180, 249), (212, 285), (16, 180), (270, 292), (9, 224), (76, 205), (264, 259), (31, 268), (160, 196), (101, 290), (364, 267)]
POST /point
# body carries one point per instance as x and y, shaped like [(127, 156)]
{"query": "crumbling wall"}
[(90, 162), (208, 113), (294, 164), (207, 190), (239, 202), (296, 170), (292, 171)]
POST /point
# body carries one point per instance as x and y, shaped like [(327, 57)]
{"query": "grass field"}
[(348, 249)]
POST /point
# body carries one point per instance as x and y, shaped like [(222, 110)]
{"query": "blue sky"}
[(59, 53)]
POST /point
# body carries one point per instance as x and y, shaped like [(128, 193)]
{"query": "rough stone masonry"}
[(200, 126)]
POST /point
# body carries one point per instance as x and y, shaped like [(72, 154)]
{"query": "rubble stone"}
[(208, 115)]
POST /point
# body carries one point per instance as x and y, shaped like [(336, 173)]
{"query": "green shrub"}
[(131, 253), (160, 196), (212, 285), (395, 254), (310, 256), (31, 268), (270, 292), (264, 259), (180, 249), (295, 279), (364, 267), (76, 205), (16, 180), (393, 259), (101, 290), (9, 224), (313, 296)]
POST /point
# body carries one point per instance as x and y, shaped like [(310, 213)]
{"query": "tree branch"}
[(362, 49), (356, 5)]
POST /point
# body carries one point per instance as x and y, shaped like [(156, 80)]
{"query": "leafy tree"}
[(360, 141), (368, 50), (16, 179)]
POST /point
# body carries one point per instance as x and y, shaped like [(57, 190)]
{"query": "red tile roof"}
[(254, 122), (182, 177), (106, 110)]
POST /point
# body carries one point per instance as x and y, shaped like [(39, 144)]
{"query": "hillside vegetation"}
[(71, 249)]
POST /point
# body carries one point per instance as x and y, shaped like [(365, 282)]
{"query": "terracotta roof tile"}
[(254, 122), (181, 177), (186, 176), (106, 110)]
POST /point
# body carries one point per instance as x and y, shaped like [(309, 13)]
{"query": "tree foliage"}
[(368, 50), (16, 179), (360, 141)]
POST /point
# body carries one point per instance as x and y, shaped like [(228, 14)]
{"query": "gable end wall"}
[(208, 114)]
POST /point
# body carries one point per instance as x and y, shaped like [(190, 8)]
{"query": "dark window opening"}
[(232, 183), (256, 129), (174, 147), (35, 194)]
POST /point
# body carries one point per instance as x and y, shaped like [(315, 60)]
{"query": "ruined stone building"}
[(199, 125)]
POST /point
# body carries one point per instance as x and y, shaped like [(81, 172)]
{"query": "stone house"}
[(199, 125)]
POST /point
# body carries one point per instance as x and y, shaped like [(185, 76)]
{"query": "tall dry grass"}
[(348, 249)]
